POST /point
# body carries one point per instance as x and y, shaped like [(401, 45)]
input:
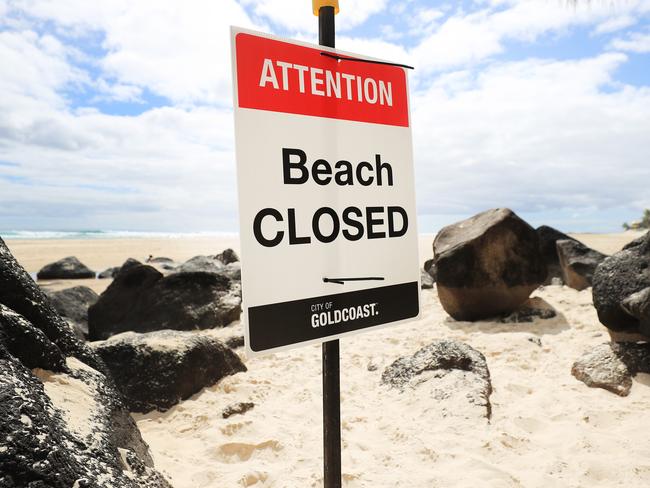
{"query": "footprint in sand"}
[(237, 452), (233, 428), (253, 478)]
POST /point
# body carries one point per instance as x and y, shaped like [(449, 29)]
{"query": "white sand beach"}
[(547, 428)]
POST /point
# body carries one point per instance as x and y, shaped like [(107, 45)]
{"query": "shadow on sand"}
[(538, 326)]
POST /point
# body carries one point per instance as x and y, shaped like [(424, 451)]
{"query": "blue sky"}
[(117, 114)]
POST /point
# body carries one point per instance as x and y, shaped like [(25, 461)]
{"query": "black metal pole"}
[(331, 362), (326, 29)]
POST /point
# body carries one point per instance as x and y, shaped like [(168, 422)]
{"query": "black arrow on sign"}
[(341, 281)]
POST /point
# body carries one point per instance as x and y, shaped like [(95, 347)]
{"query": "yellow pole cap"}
[(317, 4)]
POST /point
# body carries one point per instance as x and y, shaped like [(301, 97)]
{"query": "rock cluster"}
[(156, 370), (62, 418), (142, 299)]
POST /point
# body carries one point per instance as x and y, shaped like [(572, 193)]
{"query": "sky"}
[(117, 115)]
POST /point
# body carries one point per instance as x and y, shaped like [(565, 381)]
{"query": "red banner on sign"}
[(283, 77)]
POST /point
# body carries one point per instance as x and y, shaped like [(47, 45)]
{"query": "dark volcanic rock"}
[(578, 263), (227, 256), (612, 365), (227, 264), (156, 370), (233, 271), (430, 267), (638, 306), (69, 268), (72, 304), (58, 428), (532, 309), (63, 422), (108, 273), (616, 280), (438, 360), (19, 293), (236, 409), (426, 281), (235, 342), (487, 265), (548, 236), (27, 343), (206, 264), (141, 299), (114, 271)]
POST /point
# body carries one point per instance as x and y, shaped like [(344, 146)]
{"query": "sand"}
[(547, 428)]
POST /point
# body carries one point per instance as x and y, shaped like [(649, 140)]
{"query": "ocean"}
[(105, 234)]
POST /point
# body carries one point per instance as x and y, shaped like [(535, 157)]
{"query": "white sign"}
[(329, 243)]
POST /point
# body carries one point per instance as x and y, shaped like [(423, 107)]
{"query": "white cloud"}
[(533, 135), (166, 168), (615, 23), (117, 91), (298, 16), (636, 42), (35, 68), (177, 50), (536, 135), (373, 48), (467, 38)]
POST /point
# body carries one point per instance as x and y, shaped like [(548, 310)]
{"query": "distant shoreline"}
[(108, 234), (127, 234)]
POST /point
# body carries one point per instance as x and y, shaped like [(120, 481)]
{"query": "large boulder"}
[(72, 304), (21, 294), (69, 268), (141, 299), (108, 273), (487, 265), (206, 264), (63, 421), (611, 366), (59, 428), (449, 368), (548, 236), (227, 256), (578, 263), (114, 271), (156, 370), (618, 283), (226, 264)]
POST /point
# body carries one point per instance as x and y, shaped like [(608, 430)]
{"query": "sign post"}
[(326, 10), (329, 243)]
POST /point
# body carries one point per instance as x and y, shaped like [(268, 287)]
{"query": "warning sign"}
[(326, 192)]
